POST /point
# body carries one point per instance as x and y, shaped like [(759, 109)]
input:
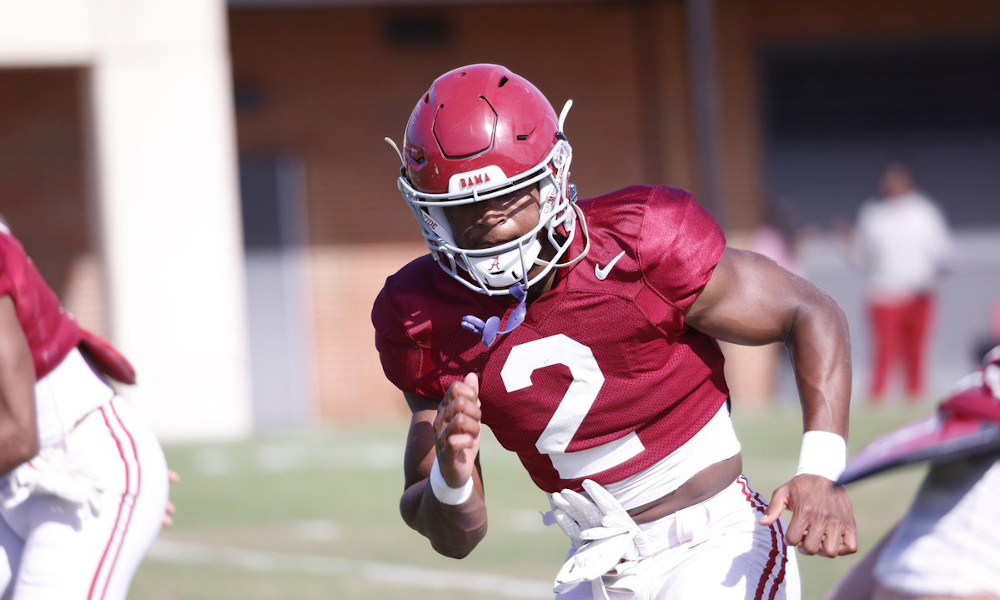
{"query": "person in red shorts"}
[(904, 247), (83, 480), (584, 335)]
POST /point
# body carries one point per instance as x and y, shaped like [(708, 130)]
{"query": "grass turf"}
[(313, 514)]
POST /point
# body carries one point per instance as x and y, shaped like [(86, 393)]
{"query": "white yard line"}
[(376, 572)]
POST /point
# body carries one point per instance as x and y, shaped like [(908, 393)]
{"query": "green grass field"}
[(313, 514)]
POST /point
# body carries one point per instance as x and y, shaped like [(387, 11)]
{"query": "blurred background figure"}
[(774, 237), (903, 245)]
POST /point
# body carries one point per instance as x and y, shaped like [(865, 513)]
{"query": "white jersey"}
[(904, 244)]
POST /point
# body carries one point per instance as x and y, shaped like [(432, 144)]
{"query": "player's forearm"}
[(453, 531), (18, 421), (819, 345), (18, 425), (18, 431), (16, 448)]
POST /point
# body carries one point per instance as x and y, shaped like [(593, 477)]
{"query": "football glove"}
[(601, 530)]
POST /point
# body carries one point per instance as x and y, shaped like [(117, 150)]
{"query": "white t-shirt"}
[(904, 244)]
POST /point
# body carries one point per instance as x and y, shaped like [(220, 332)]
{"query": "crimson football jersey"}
[(51, 331), (603, 379)]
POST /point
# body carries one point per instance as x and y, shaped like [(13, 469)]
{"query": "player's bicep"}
[(749, 300), (419, 455)]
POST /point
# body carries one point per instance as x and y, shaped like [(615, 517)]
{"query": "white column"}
[(50, 33), (166, 186)]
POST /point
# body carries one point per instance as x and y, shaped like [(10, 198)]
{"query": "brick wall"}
[(745, 28), (43, 188), (328, 85)]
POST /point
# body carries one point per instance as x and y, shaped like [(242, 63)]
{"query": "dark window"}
[(942, 86), (418, 30)]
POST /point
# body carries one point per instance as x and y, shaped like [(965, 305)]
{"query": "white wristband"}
[(823, 453), (444, 492)]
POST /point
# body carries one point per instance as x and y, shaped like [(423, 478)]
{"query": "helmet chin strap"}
[(490, 328)]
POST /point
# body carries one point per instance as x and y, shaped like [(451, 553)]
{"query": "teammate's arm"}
[(750, 300), (448, 431), (18, 426)]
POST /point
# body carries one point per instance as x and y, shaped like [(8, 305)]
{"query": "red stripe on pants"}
[(118, 525), (778, 547), (135, 497)]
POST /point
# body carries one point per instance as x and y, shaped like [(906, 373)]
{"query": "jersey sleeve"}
[(405, 361), (679, 246)]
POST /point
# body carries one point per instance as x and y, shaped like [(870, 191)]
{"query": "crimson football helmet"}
[(479, 132)]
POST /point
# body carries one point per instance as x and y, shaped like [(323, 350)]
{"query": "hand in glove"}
[(600, 528), (573, 513), (53, 477)]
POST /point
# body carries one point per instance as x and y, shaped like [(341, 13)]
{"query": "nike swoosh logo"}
[(602, 274)]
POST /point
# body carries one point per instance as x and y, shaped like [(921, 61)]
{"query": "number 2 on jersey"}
[(523, 360)]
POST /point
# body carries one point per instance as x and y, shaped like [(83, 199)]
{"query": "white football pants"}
[(715, 549), (55, 549)]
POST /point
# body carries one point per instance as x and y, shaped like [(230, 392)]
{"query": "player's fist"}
[(822, 516), (457, 427)]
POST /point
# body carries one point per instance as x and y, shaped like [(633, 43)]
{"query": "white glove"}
[(600, 528), (45, 476), (573, 513)]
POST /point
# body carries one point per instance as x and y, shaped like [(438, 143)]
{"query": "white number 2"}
[(558, 349)]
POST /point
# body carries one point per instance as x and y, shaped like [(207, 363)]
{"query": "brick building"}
[(316, 85)]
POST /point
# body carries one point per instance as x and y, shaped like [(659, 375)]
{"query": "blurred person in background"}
[(903, 245), (776, 237), (585, 336), (83, 481), (947, 545)]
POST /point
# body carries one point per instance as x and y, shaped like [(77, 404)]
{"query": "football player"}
[(83, 490), (584, 335), (947, 545)]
